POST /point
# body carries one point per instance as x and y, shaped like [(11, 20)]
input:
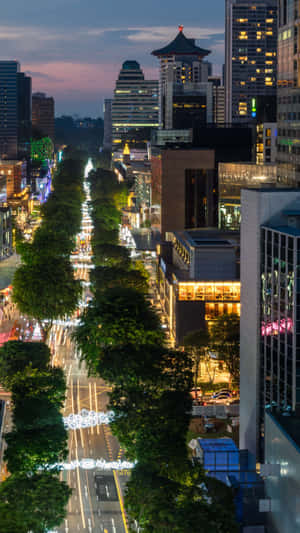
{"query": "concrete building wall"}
[(174, 164), (257, 208)]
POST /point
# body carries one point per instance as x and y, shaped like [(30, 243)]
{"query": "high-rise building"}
[(185, 96), (43, 114), (288, 101), (107, 137), (135, 103), (185, 175), (251, 60), (270, 310), (9, 109), (232, 178), (24, 114)]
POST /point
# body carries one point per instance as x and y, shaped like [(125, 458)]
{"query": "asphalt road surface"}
[(96, 503)]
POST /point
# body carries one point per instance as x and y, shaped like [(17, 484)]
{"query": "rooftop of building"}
[(181, 45), (288, 230), (131, 65), (216, 445), (204, 237)]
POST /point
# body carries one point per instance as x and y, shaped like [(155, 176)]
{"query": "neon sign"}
[(275, 328)]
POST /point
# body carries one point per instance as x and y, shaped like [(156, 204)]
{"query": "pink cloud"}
[(72, 78)]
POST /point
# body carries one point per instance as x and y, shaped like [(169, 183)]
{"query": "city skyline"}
[(74, 51)]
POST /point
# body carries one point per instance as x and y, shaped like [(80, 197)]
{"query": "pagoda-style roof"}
[(181, 45)]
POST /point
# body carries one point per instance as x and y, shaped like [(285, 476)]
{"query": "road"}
[(95, 503)]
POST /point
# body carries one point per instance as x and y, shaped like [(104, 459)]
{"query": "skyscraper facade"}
[(24, 114), (135, 102), (270, 316), (43, 114), (185, 96), (251, 60), (288, 116), (9, 109), (107, 136)]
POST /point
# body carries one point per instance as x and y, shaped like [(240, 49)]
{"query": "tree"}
[(117, 317), (196, 343), (150, 500), (35, 384), (181, 504), (151, 423), (46, 290), (34, 503), (225, 338), (111, 255), (29, 450), (16, 356), (104, 278)]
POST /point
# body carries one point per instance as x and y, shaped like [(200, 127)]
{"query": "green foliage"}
[(103, 278), (32, 449), (41, 149), (34, 503), (120, 339), (196, 343), (38, 437), (44, 284), (189, 502), (225, 339), (46, 289), (117, 317), (17, 356)]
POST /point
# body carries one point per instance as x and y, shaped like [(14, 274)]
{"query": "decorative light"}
[(90, 464), (87, 419)]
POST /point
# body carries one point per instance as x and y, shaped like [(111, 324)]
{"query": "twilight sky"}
[(73, 49)]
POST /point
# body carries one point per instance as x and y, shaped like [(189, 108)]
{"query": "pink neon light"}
[(277, 327)]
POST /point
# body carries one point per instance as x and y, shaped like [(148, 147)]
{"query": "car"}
[(222, 398), (222, 391)]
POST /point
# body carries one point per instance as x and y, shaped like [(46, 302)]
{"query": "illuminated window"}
[(269, 32), (258, 70), (242, 20), (215, 291), (258, 35), (269, 54), (243, 108), (258, 49), (268, 132), (253, 79), (269, 21), (242, 83)]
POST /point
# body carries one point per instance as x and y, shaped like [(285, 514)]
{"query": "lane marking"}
[(121, 501)]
